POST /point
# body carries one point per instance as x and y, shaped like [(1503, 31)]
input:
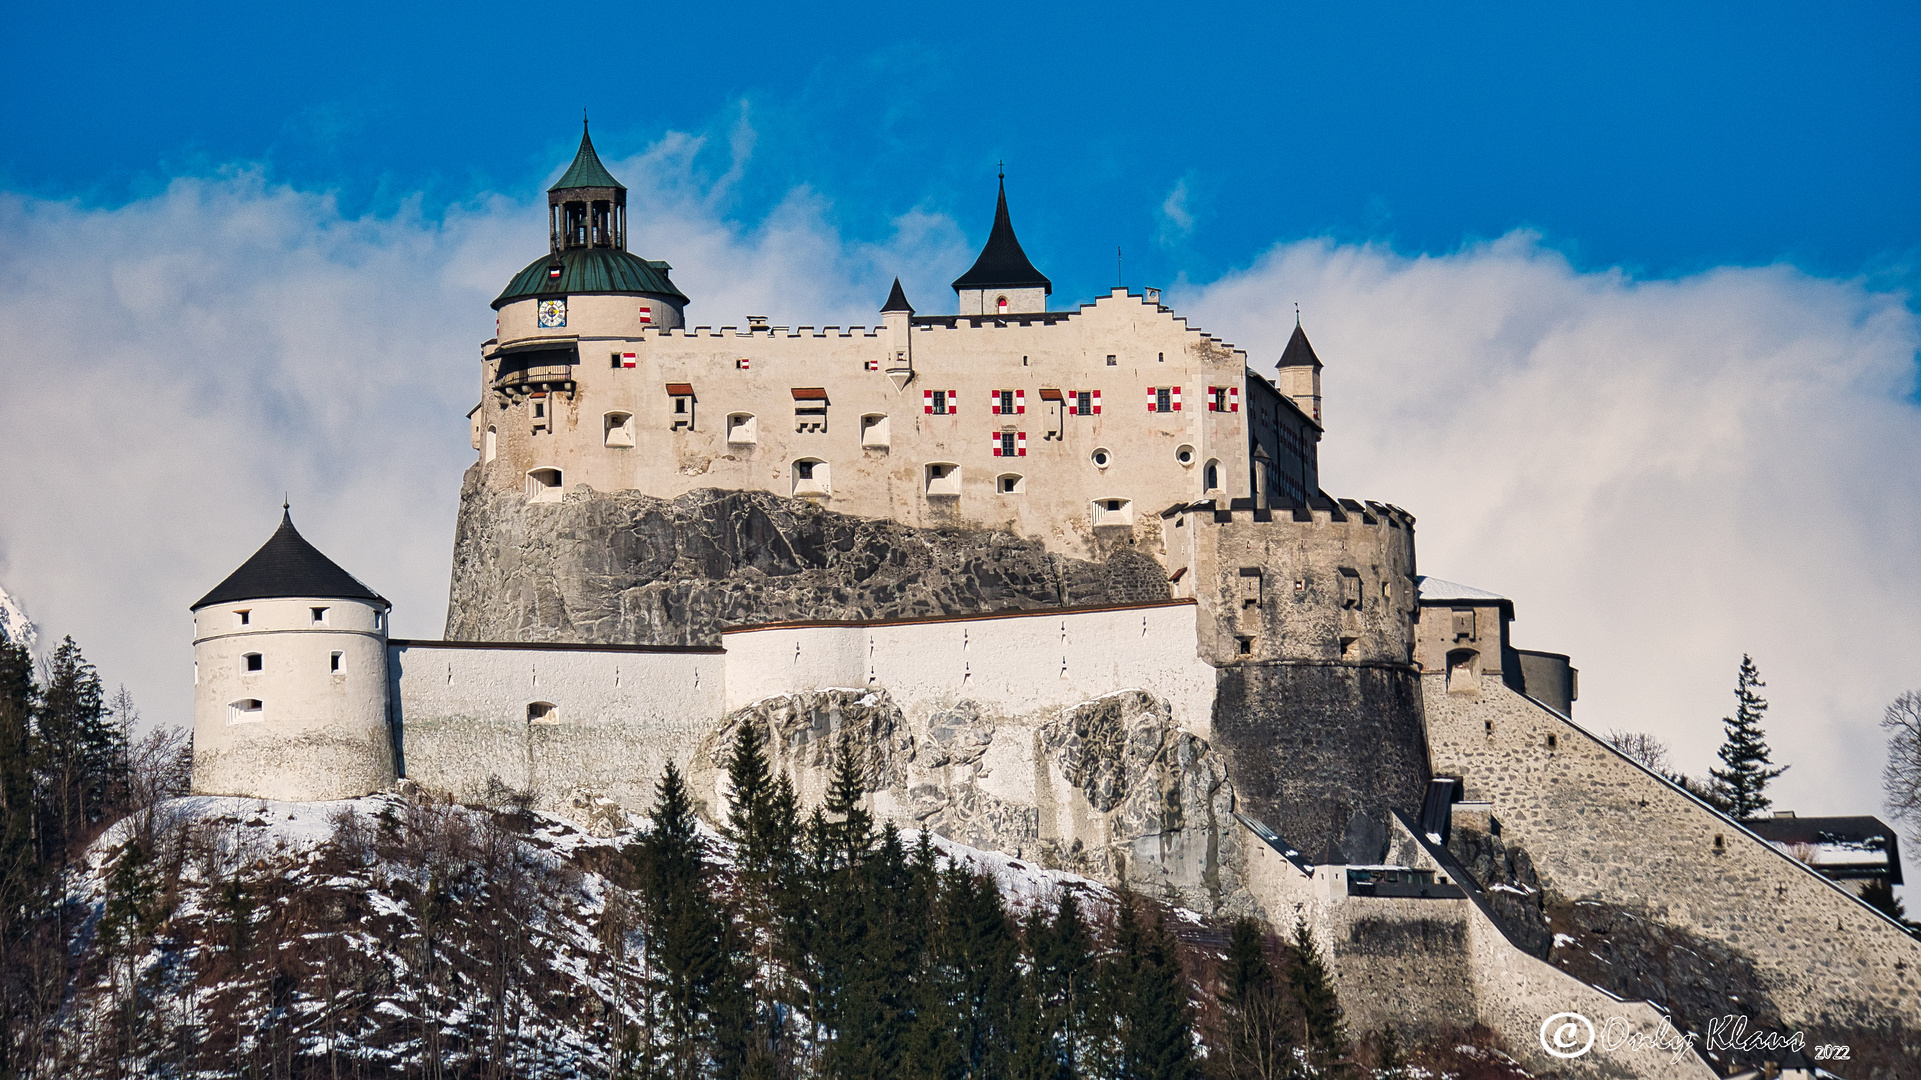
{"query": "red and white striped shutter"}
[(952, 408), (1177, 399), (997, 442), (1153, 392), (873, 365), (1213, 405), (626, 359), (1020, 401), (1233, 399), (646, 315), (927, 399), (1020, 444), (994, 405), (741, 363), (1097, 402)]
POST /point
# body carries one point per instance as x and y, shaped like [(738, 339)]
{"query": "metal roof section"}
[(590, 270), (897, 300), (1299, 353), (1837, 847), (1272, 839), (288, 566), (1433, 590), (1002, 263), (586, 171)]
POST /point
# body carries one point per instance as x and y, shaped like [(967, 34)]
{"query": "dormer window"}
[(681, 415), (810, 409)]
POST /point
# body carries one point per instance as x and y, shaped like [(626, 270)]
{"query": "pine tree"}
[(762, 822), (26, 901), (1312, 984), (1742, 785), (1144, 995), (689, 941), (1253, 1033)]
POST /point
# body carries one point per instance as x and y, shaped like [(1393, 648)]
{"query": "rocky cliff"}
[(624, 567)]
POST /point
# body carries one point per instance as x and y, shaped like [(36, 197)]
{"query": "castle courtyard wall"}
[(1598, 825)]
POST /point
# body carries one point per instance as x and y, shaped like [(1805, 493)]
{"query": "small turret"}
[(898, 315), (290, 679), (1299, 377), (1002, 281), (587, 207)]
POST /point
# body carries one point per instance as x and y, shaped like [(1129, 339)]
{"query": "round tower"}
[(290, 679), (558, 381)]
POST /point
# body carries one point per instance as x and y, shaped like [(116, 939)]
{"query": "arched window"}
[(1010, 484), (246, 711), (543, 485), (1000, 306), (812, 479), (943, 478), (619, 427), (543, 712), (1463, 672)]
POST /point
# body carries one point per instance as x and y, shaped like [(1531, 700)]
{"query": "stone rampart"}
[(571, 726), (1598, 825)]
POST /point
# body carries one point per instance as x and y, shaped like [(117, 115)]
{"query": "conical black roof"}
[(897, 300), (586, 171), (287, 565), (1298, 352), (1002, 264)]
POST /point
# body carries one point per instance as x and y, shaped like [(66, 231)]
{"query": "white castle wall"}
[(1015, 663), (320, 731), (622, 713)]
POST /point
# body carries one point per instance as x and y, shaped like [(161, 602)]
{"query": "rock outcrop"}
[(1110, 788), (629, 568)]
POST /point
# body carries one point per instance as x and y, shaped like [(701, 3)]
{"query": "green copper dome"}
[(590, 270)]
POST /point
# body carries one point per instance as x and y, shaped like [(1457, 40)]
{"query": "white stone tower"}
[(1002, 281), (290, 679)]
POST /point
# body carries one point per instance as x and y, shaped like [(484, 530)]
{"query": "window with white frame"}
[(943, 478), (618, 428), (543, 485)]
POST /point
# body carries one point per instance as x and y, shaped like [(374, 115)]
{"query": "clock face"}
[(553, 313)]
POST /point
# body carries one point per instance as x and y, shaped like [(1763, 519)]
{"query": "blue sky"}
[(1619, 301), (1664, 138)]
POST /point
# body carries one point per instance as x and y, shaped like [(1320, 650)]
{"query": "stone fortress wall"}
[(703, 408), (1597, 824)]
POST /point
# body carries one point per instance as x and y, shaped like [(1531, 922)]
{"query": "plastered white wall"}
[(1016, 664), (621, 716)]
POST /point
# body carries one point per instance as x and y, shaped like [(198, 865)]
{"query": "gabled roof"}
[(1298, 352), (1002, 263), (586, 171), (287, 566), (897, 300), (591, 270)]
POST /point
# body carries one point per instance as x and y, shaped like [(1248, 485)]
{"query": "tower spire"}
[(1003, 270)]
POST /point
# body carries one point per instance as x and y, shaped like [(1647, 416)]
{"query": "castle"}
[(1066, 580)]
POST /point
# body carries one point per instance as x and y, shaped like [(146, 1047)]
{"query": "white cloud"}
[(1662, 474), (1177, 217), (172, 366)]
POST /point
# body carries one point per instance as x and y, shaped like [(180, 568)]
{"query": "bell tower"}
[(586, 207)]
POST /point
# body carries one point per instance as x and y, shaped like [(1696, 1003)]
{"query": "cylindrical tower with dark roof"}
[(290, 679)]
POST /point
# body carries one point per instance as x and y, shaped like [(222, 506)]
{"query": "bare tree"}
[(1644, 748), (1901, 776)]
